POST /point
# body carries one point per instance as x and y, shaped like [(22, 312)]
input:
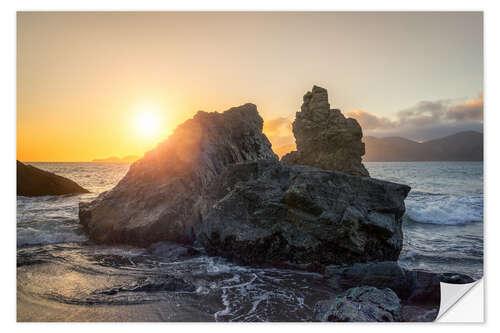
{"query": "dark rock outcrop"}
[(361, 304), (425, 286), (381, 275), (172, 251), (33, 182), (267, 212), (413, 286), (155, 200), (325, 138)]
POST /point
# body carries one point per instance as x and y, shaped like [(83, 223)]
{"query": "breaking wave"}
[(445, 209)]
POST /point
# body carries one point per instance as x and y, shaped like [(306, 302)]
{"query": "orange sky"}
[(84, 79)]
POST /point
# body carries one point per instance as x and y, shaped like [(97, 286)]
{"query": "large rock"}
[(33, 182), (267, 212), (414, 286), (155, 200), (361, 304), (325, 138)]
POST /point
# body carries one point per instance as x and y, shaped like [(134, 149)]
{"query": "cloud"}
[(279, 131), (424, 117), (275, 125), (423, 113), (468, 111), (370, 121), (425, 120)]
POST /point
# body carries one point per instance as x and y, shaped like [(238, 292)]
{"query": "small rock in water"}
[(381, 275), (413, 286), (157, 284), (361, 304), (168, 283), (172, 251)]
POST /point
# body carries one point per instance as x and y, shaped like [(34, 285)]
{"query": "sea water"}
[(62, 276)]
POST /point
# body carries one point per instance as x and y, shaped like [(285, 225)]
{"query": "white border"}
[(466, 304), (7, 201)]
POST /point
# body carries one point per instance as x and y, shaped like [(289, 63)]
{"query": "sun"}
[(147, 123)]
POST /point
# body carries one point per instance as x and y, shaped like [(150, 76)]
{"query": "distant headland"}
[(114, 159), (462, 146)]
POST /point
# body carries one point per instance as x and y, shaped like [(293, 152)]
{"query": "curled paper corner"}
[(461, 303)]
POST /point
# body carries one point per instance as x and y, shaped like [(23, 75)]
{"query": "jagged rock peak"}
[(317, 99), (325, 138), (155, 200)]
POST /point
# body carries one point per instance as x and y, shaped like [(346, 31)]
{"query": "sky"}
[(100, 84)]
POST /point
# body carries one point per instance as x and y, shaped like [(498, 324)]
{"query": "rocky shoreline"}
[(216, 182)]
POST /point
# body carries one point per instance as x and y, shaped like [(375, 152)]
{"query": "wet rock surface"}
[(270, 213), (425, 286), (154, 201), (413, 286), (33, 182), (361, 304), (172, 251), (380, 275), (325, 138), (159, 284)]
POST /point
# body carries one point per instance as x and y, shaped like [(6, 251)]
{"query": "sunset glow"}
[(147, 123), (132, 78)]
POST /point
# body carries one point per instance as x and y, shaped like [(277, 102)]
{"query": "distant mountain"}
[(462, 146), (130, 158), (114, 159)]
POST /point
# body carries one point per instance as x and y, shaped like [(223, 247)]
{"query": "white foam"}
[(227, 310), (449, 210), (32, 236)]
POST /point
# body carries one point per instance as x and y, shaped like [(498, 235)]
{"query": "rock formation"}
[(413, 286), (325, 138), (217, 181), (271, 213), (361, 304), (33, 182), (155, 200)]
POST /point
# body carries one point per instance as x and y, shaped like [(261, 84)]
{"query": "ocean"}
[(62, 276)]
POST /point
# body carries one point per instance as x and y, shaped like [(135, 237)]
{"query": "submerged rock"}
[(325, 138), (155, 200), (152, 284), (33, 182), (172, 251), (270, 213), (414, 286), (361, 304)]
